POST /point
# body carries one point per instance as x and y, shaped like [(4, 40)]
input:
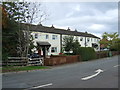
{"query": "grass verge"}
[(21, 68)]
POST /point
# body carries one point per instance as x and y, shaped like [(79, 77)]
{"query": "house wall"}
[(54, 43), (57, 43), (89, 43)]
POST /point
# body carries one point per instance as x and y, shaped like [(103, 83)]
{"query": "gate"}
[(36, 61)]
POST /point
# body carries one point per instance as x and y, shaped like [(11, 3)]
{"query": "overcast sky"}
[(93, 17)]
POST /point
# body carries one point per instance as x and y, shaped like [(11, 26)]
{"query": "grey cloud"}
[(82, 16)]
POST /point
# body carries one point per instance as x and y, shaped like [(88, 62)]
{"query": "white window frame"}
[(88, 39), (54, 37), (47, 36), (94, 39), (54, 49), (36, 35), (81, 39)]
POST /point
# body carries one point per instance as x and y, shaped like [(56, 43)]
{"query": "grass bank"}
[(21, 68)]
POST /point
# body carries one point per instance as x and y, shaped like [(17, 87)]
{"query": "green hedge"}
[(87, 53)]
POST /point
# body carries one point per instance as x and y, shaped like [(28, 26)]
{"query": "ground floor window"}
[(53, 49)]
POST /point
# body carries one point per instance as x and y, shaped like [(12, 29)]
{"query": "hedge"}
[(87, 53)]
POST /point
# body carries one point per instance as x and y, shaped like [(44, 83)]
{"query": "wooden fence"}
[(103, 54), (53, 60), (57, 60), (22, 61), (15, 61)]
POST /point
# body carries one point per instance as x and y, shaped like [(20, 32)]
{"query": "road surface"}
[(101, 73)]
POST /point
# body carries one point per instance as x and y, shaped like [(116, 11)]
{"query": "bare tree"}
[(36, 13), (33, 14)]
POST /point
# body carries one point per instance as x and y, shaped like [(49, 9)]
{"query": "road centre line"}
[(43, 85)]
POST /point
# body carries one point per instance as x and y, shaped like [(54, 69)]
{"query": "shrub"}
[(5, 56), (76, 47), (87, 53)]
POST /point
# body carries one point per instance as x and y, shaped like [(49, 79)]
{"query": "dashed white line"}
[(43, 85), (116, 65)]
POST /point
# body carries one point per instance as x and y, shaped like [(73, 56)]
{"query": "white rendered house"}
[(52, 38)]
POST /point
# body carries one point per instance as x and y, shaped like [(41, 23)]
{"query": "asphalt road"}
[(68, 76)]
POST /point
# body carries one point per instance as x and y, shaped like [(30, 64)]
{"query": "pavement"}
[(100, 73)]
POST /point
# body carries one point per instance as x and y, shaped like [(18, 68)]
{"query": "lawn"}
[(21, 68)]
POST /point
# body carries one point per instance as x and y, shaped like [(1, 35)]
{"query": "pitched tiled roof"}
[(40, 28)]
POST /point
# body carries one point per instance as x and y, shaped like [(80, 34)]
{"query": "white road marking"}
[(116, 65), (42, 85), (89, 77)]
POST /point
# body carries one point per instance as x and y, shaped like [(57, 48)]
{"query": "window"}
[(94, 39), (81, 39), (47, 36), (54, 49), (54, 37), (88, 39), (76, 38), (98, 40), (91, 39), (36, 35)]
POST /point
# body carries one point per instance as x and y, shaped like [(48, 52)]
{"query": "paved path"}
[(68, 76)]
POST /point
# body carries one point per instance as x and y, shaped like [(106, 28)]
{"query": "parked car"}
[(105, 49), (34, 55)]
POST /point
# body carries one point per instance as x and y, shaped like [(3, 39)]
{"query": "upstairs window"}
[(36, 35), (47, 36), (95, 39), (54, 37), (88, 39), (54, 49), (81, 39)]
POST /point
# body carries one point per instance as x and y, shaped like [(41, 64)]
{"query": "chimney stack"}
[(52, 26), (68, 29)]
